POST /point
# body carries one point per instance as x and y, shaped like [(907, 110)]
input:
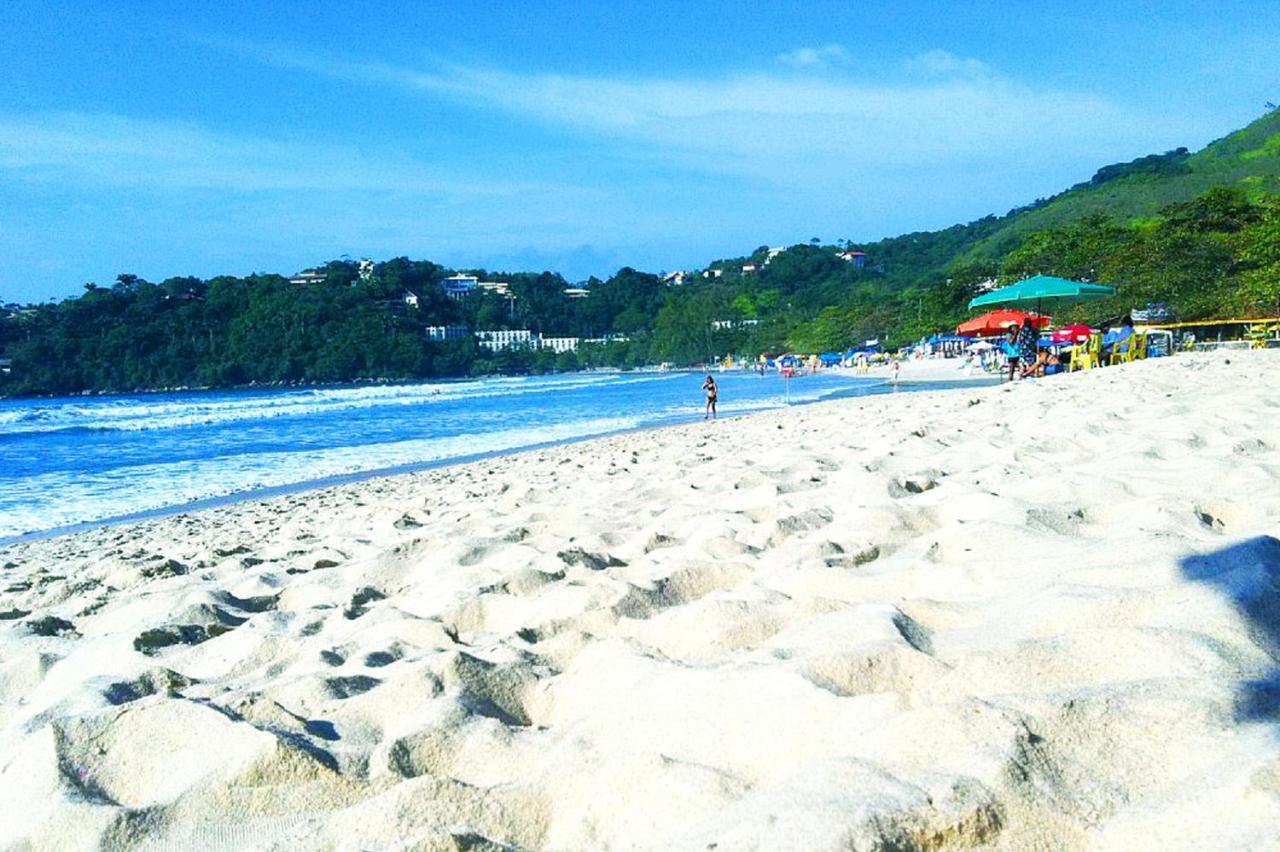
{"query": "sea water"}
[(74, 460)]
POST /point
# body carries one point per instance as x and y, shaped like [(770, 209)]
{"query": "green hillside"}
[(1248, 158)]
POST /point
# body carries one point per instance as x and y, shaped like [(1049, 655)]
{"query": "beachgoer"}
[(1011, 351), (1118, 340), (1046, 364), (1028, 338), (712, 393)]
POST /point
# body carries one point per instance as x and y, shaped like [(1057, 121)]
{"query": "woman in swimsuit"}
[(712, 392)]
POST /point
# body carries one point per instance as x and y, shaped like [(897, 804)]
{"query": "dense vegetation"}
[(1198, 232)]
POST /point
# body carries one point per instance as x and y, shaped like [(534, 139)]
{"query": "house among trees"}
[(576, 292), (750, 268), (459, 286), (500, 339), (411, 299), (559, 344), (309, 276), (446, 332), (675, 279), (857, 258), (6, 365), (498, 288)]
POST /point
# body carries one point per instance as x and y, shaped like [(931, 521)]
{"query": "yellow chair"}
[(1138, 347), (1257, 336), (1087, 355), (1135, 347)]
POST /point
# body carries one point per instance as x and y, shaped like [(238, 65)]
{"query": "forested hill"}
[(1248, 159), (1199, 232)]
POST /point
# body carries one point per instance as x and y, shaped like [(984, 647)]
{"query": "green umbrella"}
[(1040, 288)]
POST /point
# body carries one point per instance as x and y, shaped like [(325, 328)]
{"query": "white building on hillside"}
[(501, 339), (576, 292), (608, 338), (560, 344), (308, 276), (499, 288)]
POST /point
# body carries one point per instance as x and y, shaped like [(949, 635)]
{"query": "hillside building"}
[(447, 332), (459, 286), (560, 344), (308, 276), (857, 258), (503, 339)]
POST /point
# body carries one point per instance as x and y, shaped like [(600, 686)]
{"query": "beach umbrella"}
[(830, 358), (997, 322), (1043, 288), (1071, 334)]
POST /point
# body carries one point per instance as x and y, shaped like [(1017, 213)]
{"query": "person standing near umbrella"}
[(1027, 340), (1011, 351)]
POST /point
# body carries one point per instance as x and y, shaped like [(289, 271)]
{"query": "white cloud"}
[(815, 57), (948, 111), (113, 150), (943, 63)]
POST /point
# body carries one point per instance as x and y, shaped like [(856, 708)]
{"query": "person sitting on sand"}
[(1035, 368), (1046, 364), (712, 392)]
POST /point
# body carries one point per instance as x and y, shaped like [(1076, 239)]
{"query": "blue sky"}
[(206, 138)]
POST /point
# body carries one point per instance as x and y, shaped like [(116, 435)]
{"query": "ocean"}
[(76, 460)]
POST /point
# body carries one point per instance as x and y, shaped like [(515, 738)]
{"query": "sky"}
[(176, 138)]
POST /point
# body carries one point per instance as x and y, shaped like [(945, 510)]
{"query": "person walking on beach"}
[(712, 392)]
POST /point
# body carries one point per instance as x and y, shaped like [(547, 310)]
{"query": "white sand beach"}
[(1038, 616)]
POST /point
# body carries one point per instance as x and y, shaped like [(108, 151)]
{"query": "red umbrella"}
[(1072, 334), (997, 322)]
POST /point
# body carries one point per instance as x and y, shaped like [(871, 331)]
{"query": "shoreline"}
[(305, 485)]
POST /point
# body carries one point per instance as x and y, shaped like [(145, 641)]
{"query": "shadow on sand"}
[(1249, 574)]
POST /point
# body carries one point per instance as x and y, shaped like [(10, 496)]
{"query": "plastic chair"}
[(1087, 355), (1138, 347), (1133, 345)]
